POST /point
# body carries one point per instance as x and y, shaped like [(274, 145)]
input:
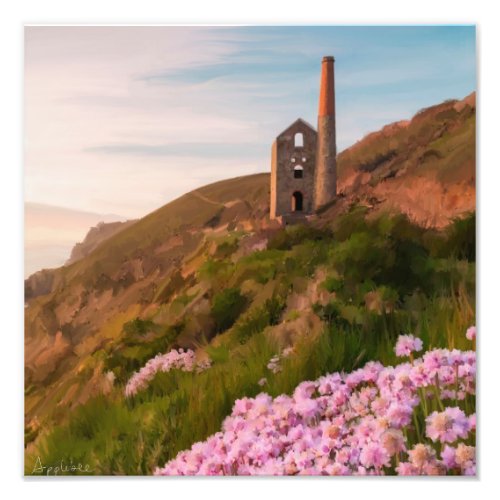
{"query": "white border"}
[(126, 12)]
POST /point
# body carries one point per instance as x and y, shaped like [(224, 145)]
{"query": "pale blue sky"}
[(123, 119)]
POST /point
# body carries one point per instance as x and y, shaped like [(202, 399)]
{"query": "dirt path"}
[(208, 200), (218, 203)]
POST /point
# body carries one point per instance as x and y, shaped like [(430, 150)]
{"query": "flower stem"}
[(438, 395), (417, 427)]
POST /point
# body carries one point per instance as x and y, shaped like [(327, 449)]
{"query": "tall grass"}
[(119, 436)]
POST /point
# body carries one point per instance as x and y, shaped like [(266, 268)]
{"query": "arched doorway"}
[(297, 201)]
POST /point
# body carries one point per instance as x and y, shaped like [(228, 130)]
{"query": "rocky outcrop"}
[(39, 283), (95, 237), (424, 167)]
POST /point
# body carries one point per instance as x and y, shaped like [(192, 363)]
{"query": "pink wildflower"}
[(420, 455), (448, 425), (471, 333), (448, 457), (406, 469), (374, 455), (179, 360), (465, 456), (393, 441), (472, 421), (343, 424), (407, 344)]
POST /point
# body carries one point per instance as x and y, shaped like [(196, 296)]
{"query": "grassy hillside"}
[(339, 299), (142, 268), (209, 271)]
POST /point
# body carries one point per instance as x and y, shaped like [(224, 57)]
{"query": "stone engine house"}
[(303, 160), (293, 166)]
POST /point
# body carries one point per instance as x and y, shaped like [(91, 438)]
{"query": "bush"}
[(226, 249), (294, 235), (461, 236), (352, 221), (142, 340), (274, 308), (227, 307), (332, 284), (261, 317), (261, 266), (139, 327), (252, 324)]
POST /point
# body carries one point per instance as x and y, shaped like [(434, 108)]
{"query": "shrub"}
[(274, 308), (227, 307), (294, 235), (142, 340), (461, 238), (139, 327), (226, 248), (351, 222), (254, 323), (332, 284)]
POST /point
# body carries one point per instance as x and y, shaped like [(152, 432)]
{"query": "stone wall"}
[(286, 156)]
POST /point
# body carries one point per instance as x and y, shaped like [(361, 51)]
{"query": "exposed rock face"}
[(424, 167), (39, 283), (43, 359)]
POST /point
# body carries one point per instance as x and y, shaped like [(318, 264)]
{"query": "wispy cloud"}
[(185, 149)]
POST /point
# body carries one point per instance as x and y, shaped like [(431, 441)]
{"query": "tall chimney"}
[(325, 182)]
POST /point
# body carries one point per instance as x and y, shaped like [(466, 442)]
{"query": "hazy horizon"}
[(51, 233)]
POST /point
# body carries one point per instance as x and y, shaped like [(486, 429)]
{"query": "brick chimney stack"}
[(325, 183)]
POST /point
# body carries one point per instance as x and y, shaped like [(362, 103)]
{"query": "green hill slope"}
[(210, 271)]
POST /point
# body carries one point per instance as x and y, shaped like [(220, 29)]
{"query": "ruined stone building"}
[(303, 163)]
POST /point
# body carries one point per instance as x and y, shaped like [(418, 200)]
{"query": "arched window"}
[(298, 172), (297, 201), (299, 140)]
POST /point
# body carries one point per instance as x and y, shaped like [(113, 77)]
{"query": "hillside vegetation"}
[(210, 272)]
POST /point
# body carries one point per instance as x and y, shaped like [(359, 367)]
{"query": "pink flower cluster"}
[(407, 344), (461, 459), (172, 360), (447, 426), (345, 424)]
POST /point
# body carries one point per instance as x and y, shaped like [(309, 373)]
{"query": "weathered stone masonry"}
[(303, 161), (292, 169)]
